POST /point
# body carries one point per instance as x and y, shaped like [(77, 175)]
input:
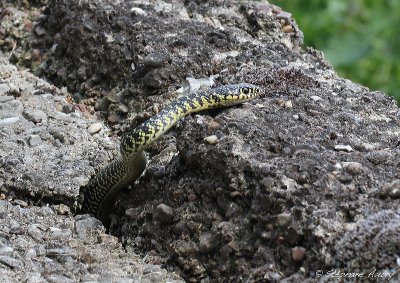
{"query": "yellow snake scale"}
[(98, 196)]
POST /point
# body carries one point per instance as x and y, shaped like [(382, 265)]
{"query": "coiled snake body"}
[(98, 196)]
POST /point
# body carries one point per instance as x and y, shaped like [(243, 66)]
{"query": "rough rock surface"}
[(300, 185), (45, 155)]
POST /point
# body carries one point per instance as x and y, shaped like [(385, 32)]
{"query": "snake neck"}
[(149, 131)]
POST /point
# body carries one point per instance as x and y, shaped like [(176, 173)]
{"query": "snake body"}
[(98, 196)]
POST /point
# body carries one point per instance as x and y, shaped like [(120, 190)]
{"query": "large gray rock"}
[(287, 192)]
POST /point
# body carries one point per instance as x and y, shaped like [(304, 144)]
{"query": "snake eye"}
[(245, 91)]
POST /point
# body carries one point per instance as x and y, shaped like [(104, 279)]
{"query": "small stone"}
[(154, 60), (36, 116), (212, 126), (40, 31), (138, 11), (4, 89), (95, 128), (16, 105), (102, 104), (21, 203), (35, 233), (353, 168), (18, 230), (283, 219), (67, 108), (110, 240), (6, 250), (286, 16), (114, 118), (123, 108), (213, 139), (379, 157), (288, 104), (34, 140), (298, 253), (152, 80), (10, 262), (9, 121), (391, 189), (342, 147), (62, 209), (207, 243), (164, 214), (316, 98), (296, 117), (287, 28)]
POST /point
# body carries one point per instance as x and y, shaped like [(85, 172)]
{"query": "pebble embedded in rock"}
[(95, 128), (138, 11), (16, 105), (123, 108), (21, 203), (10, 262), (9, 121), (213, 139), (114, 118), (4, 89), (152, 80), (6, 250), (164, 214), (34, 140), (62, 209), (207, 243), (342, 147), (391, 189), (102, 104), (298, 253), (155, 60), (283, 219), (354, 168), (36, 116), (288, 104)]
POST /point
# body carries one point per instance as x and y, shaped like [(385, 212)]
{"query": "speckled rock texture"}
[(301, 185), (46, 154)]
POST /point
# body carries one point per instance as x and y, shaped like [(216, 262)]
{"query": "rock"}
[(283, 219), (155, 60), (343, 147), (95, 128), (273, 180), (123, 108), (10, 262), (37, 116), (3, 90), (164, 214), (62, 209), (391, 189), (138, 11), (9, 121), (354, 168), (213, 139), (298, 253), (34, 140), (102, 104)]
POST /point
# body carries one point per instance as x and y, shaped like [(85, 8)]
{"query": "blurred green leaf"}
[(359, 37)]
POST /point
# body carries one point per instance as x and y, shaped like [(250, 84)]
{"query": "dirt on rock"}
[(301, 184)]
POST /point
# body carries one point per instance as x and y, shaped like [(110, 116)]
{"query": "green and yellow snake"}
[(98, 196)]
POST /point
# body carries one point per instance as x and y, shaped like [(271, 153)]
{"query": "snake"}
[(98, 196)]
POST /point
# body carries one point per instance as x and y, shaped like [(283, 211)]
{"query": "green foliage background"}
[(361, 38)]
